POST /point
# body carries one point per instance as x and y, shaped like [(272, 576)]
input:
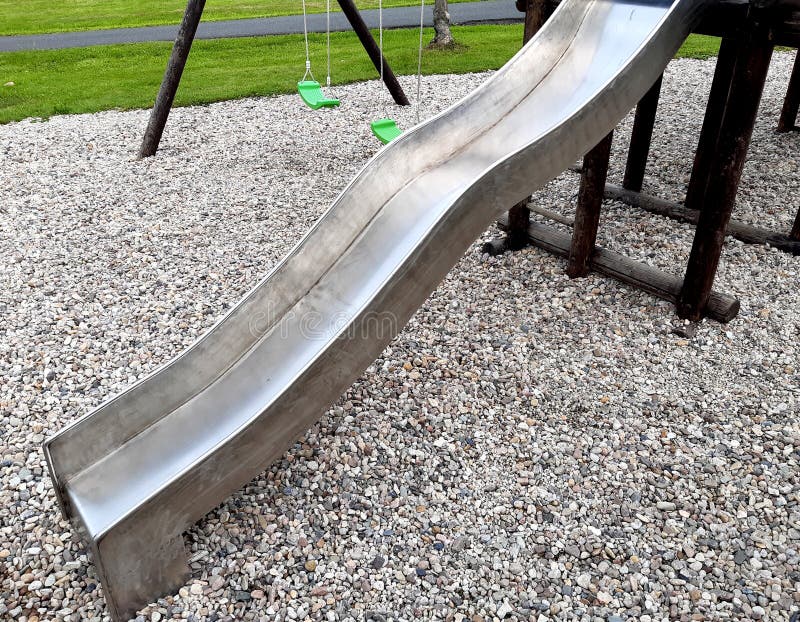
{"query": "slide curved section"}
[(140, 469)]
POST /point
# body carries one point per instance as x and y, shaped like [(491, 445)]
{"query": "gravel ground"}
[(528, 448)]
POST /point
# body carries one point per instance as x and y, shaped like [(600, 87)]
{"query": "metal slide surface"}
[(139, 470)]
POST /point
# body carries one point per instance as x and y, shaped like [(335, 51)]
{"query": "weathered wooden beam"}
[(536, 14), (641, 136), (516, 237), (747, 84), (709, 133), (172, 78), (519, 216), (590, 201), (373, 51), (721, 307), (731, 18), (741, 231), (551, 215), (791, 104)]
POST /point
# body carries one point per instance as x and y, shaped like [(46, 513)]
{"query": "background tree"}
[(441, 26)]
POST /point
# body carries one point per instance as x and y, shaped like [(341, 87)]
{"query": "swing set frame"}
[(183, 45), (385, 129)]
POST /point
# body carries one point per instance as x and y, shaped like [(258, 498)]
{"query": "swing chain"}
[(419, 54), (308, 73), (305, 37), (328, 39), (380, 33)]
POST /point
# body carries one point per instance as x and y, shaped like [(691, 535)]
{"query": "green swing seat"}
[(311, 93), (385, 130)]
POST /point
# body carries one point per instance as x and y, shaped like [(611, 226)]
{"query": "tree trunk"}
[(441, 25)]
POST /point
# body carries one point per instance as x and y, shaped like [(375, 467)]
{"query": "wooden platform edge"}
[(741, 231), (721, 307)]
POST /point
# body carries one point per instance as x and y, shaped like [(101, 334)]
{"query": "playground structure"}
[(309, 90), (749, 32), (135, 473)]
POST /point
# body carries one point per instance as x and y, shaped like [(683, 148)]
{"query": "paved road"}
[(460, 13)]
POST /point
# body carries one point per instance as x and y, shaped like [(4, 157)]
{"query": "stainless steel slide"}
[(139, 470)]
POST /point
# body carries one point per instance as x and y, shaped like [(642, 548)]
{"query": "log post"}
[(536, 14), (590, 201), (172, 78), (740, 110), (791, 104), (709, 134), (788, 122), (368, 41), (641, 137), (519, 216)]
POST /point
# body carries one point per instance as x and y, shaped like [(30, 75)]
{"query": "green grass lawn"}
[(128, 76), (16, 18)]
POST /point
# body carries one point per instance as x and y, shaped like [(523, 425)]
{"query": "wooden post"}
[(590, 201), (172, 78), (536, 14), (709, 134), (736, 130), (519, 216), (368, 41), (788, 122), (791, 104), (641, 137)]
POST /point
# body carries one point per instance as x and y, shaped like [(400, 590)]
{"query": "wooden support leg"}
[(368, 42), (519, 219), (536, 14), (791, 104), (736, 129), (709, 134), (516, 228), (590, 200), (172, 78), (519, 216), (641, 136), (788, 122)]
